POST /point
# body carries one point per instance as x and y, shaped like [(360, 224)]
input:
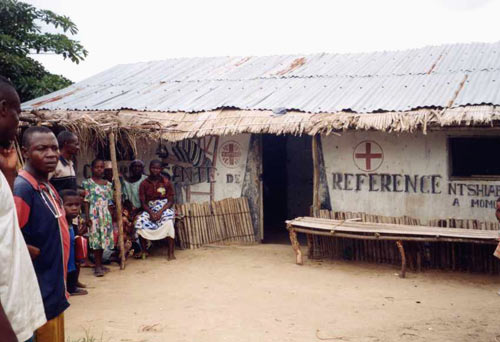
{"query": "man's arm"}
[(86, 204), (6, 331), (22, 199), (86, 210)]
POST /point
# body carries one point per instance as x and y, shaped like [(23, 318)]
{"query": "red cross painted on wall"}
[(230, 153), (368, 155)]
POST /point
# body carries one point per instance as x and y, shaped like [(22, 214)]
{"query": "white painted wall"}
[(412, 154), (229, 180)]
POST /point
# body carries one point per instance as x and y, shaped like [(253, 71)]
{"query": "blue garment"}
[(41, 229), (71, 261)]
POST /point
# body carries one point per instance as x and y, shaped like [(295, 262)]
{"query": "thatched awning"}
[(179, 126)]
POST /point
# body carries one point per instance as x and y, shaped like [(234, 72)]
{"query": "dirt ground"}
[(257, 293)]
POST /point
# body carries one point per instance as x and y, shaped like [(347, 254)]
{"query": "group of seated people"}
[(147, 213), (148, 202)]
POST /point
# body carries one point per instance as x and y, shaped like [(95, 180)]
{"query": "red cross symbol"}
[(368, 155), (231, 154)]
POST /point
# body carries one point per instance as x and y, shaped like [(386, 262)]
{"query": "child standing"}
[(71, 203), (98, 198), (85, 262)]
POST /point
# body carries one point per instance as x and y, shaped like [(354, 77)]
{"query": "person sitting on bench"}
[(157, 220)]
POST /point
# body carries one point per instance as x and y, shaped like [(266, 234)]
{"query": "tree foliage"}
[(21, 35)]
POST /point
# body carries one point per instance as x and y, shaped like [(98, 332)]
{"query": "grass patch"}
[(87, 338)]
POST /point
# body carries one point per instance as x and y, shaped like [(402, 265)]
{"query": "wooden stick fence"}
[(226, 221), (420, 255)]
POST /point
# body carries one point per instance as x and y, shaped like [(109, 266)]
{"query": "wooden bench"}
[(353, 229)]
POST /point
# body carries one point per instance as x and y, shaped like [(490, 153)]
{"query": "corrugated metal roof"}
[(363, 82)]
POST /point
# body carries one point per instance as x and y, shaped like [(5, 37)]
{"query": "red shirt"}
[(150, 190)]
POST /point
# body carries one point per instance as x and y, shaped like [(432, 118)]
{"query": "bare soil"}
[(257, 293)]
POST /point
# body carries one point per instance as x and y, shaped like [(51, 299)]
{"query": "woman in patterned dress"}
[(98, 197)]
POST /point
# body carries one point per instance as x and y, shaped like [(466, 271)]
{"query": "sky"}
[(128, 31)]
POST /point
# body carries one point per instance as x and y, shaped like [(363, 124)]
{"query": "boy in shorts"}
[(72, 203)]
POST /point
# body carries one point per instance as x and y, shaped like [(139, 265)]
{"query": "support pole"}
[(295, 245), (309, 246), (316, 202), (399, 243), (118, 197), (315, 157)]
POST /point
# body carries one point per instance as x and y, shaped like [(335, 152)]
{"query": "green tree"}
[(21, 35)]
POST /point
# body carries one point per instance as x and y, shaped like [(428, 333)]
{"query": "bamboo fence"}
[(216, 222), (467, 257)]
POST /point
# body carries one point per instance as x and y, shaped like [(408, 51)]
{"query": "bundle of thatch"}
[(175, 126)]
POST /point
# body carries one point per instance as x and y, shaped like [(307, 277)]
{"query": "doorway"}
[(287, 176)]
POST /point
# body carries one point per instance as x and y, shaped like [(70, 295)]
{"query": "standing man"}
[(131, 186), (64, 177), (21, 307), (44, 226)]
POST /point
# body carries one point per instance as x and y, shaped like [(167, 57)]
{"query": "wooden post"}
[(315, 157), (118, 197), (260, 182), (212, 170), (316, 201), (309, 246), (403, 258), (295, 245)]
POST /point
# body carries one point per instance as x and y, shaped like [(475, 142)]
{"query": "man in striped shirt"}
[(64, 176)]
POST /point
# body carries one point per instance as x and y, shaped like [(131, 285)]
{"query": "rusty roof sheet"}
[(364, 82)]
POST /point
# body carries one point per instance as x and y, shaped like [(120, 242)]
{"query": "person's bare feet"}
[(80, 285), (171, 257), (79, 292), (99, 272), (87, 263)]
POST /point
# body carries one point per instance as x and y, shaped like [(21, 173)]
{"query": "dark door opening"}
[(287, 174)]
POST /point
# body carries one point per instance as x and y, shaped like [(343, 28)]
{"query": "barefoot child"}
[(98, 197), (128, 230), (111, 255), (71, 203), (85, 262)]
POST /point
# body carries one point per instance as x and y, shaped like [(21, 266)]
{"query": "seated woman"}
[(157, 220)]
